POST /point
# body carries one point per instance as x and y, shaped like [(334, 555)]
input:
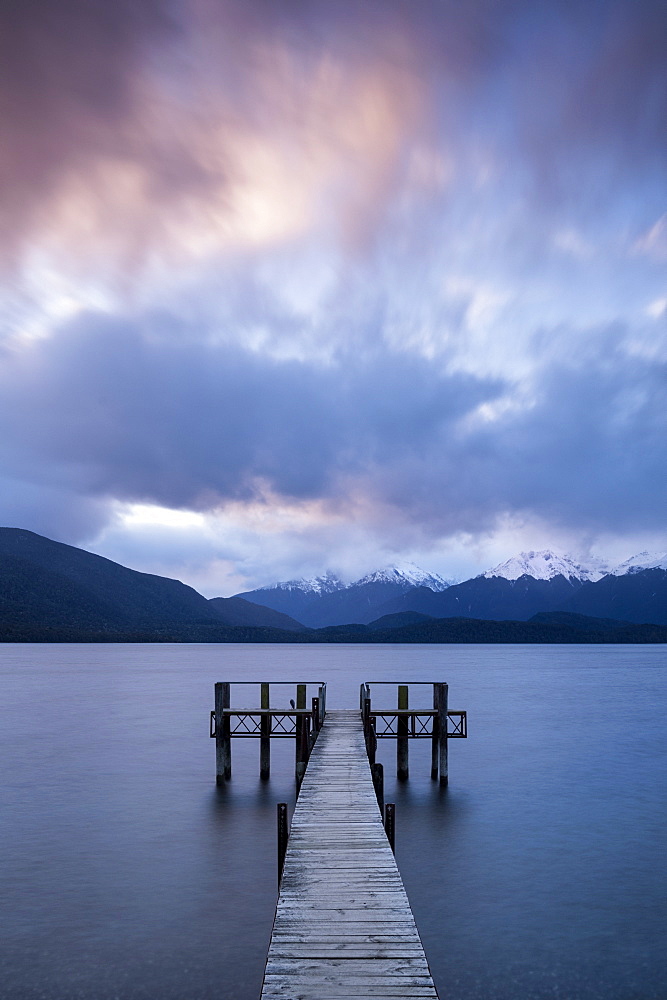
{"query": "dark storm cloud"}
[(124, 415), (189, 424)]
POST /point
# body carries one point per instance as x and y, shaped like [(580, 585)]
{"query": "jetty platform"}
[(343, 926)]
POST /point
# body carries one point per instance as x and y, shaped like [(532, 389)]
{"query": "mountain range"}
[(326, 600), (50, 591), (532, 582)]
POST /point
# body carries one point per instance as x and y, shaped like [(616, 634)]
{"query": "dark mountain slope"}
[(399, 620), (80, 586), (291, 601), (493, 598), (358, 603), (469, 630), (635, 597), (238, 611), (578, 621), (58, 589)]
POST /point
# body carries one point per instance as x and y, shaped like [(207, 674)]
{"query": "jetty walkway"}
[(343, 926)]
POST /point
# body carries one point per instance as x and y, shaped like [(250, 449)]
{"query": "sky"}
[(296, 285)]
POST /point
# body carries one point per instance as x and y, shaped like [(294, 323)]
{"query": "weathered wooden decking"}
[(343, 926)]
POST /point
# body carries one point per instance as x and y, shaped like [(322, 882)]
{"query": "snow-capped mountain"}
[(325, 600), (642, 561), (545, 565), (531, 582), (325, 584), (407, 575)]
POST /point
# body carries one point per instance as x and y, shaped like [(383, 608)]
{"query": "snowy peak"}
[(546, 565), (316, 585), (407, 575), (644, 560)]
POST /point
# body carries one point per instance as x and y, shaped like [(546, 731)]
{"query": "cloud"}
[(136, 130), (126, 416), (193, 424), (383, 264)]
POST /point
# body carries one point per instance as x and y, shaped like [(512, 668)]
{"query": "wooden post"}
[(435, 742), (365, 699), (371, 739), (315, 728), (402, 731), (265, 738), (303, 729), (440, 691), (322, 694), (283, 835), (377, 772), (223, 741), (390, 824), (299, 765)]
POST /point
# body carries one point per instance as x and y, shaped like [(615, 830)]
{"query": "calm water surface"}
[(540, 873)]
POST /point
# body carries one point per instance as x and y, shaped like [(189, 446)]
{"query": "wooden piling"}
[(440, 704), (377, 773), (223, 741), (301, 750), (283, 835), (435, 741), (402, 729), (371, 739), (322, 701), (390, 824), (303, 729), (265, 738)]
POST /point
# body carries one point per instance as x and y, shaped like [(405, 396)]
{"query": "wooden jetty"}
[(343, 926)]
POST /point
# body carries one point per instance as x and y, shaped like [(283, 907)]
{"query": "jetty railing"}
[(403, 723), (300, 723)]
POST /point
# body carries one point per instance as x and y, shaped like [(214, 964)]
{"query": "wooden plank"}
[(343, 928)]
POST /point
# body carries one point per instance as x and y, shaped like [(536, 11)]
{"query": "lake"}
[(127, 875)]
